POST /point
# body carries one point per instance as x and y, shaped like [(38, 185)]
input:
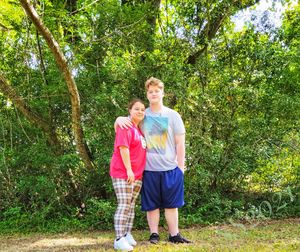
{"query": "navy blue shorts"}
[(162, 189)]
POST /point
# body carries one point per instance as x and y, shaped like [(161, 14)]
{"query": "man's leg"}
[(173, 197), (153, 220), (171, 215), (172, 220)]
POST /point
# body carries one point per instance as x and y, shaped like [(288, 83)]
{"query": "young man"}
[(163, 177)]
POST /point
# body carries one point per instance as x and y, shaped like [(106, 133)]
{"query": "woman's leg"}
[(136, 188), (123, 192)]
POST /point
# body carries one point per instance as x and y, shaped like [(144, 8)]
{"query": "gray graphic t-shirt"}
[(159, 130)]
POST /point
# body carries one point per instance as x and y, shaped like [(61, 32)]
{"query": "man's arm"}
[(180, 150), (123, 122)]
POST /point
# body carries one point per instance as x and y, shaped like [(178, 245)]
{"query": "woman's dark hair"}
[(134, 101)]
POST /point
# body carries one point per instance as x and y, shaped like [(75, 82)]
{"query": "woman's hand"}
[(130, 176)]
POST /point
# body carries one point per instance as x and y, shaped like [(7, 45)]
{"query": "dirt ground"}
[(58, 242), (275, 235)]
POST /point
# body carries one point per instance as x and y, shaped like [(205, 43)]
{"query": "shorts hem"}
[(161, 207), (150, 209), (179, 206)]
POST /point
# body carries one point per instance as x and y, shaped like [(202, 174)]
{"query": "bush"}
[(98, 214)]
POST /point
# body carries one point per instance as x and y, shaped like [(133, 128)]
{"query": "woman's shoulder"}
[(124, 130)]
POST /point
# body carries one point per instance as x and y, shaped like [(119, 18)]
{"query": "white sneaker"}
[(130, 239), (122, 244)]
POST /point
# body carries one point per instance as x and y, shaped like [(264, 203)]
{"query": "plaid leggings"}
[(126, 197)]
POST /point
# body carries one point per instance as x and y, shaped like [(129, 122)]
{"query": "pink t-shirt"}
[(133, 139)]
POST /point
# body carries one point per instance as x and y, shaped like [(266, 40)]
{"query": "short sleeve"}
[(123, 137), (178, 125)]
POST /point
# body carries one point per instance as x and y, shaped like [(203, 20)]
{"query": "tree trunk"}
[(151, 18), (63, 66)]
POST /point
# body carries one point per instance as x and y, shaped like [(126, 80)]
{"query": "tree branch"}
[(211, 28), (4, 28), (29, 114), (63, 66)]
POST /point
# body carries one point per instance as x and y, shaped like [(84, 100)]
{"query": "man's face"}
[(155, 94)]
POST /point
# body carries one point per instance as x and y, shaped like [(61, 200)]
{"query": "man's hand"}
[(182, 169), (123, 122), (180, 150)]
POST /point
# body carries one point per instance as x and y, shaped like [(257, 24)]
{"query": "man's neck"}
[(156, 107)]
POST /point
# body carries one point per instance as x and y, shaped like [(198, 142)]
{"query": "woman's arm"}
[(124, 151)]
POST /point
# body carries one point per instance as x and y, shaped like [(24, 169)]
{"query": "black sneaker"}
[(154, 238), (178, 239)]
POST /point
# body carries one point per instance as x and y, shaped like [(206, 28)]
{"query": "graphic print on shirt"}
[(143, 141), (156, 133)]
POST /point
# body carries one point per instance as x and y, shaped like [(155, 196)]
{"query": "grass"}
[(275, 235)]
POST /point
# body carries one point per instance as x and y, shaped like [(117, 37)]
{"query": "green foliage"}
[(99, 214), (239, 101)]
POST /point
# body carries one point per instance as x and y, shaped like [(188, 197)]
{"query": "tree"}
[(238, 93), (74, 95)]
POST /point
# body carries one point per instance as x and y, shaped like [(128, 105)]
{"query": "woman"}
[(126, 169)]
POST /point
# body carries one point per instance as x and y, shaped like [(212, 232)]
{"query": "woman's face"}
[(137, 112)]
